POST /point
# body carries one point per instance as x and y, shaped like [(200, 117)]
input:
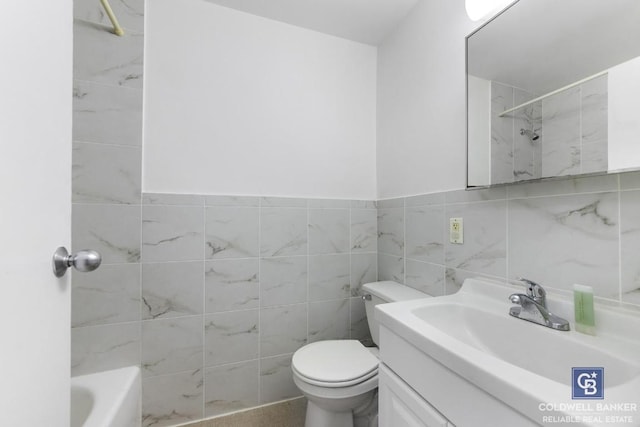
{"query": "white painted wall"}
[(421, 102), (238, 104), (35, 216)]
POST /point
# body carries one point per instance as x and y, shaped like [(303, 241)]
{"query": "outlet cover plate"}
[(456, 231)]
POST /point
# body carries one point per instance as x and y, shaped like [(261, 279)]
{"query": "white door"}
[(35, 211)]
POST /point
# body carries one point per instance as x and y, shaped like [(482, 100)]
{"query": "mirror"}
[(553, 89)]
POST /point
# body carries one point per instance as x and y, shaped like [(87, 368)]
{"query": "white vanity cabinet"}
[(416, 390), (400, 405)]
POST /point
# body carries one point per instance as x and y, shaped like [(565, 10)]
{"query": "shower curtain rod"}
[(540, 98), (114, 21)]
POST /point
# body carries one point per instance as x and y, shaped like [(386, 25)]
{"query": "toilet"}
[(339, 378)]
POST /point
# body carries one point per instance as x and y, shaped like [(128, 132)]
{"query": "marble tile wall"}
[(514, 157), (222, 291), (106, 185), (210, 295), (232, 286), (574, 130), (581, 230), (572, 126)]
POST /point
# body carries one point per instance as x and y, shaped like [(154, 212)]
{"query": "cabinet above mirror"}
[(553, 89)]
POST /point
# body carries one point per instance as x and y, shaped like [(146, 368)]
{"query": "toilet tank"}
[(383, 292)]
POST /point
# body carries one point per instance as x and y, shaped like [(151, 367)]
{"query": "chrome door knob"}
[(83, 261)]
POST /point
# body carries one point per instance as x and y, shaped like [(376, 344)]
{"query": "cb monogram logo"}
[(588, 383)]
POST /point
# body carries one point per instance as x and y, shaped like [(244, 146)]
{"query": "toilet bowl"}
[(339, 378)]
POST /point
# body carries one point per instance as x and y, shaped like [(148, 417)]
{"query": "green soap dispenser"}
[(583, 306)]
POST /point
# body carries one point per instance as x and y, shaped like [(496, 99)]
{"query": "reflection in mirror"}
[(550, 85)]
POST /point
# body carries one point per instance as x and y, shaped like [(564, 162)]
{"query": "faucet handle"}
[(534, 290)]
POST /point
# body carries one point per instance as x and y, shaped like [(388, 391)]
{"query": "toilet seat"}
[(334, 363)]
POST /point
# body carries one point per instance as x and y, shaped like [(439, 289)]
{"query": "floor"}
[(289, 413)]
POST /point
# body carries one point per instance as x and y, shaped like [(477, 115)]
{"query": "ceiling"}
[(542, 45), (364, 21)]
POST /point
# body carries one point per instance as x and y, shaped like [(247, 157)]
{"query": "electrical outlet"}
[(456, 231)]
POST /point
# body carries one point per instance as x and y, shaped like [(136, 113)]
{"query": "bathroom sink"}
[(540, 350), (522, 364)]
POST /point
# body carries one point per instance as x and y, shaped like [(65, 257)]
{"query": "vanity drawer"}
[(400, 405)]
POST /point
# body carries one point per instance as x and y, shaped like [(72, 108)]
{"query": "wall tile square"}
[(172, 199), (329, 203), (283, 202), (548, 237), (501, 133), (106, 173), (172, 399), (455, 277), (246, 201), (561, 134), (364, 230), (527, 163), (364, 204), (391, 231), (231, 232), (171, 345), (283, 280), (630, 246), (426, 277), (359, 325), (364, 269), (329, 320), (629, 180), (595, 110), (104, 347), (111, 294), (172, 233), (425, 233), (329, 277), (231, 337), (390, 268), (328, 231), (229, 388), (172, 289), (391, 203), (130, 13), (232, 284), (101, 57), (283, 232), (93, 227), (276, 379), (585, 184), (594, 157), (282, 329), (106, 114), (486, 250)]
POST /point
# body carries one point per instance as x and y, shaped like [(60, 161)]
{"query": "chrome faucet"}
[(532, 307)]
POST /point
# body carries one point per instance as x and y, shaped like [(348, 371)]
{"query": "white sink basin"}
[(540, 350), (520, 363)]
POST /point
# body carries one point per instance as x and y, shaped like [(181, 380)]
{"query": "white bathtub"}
[(106, 399)]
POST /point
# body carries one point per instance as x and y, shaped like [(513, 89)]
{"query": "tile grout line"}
[(260, 306), (308, 265), (620, 298), (141, 294), (204, 305), (350, 222), (581, 133), (404, 240)]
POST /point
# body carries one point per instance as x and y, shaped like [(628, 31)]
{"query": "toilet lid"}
[(335, 361)]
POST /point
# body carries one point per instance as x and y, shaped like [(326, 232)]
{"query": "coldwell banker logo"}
[(588, 383)]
